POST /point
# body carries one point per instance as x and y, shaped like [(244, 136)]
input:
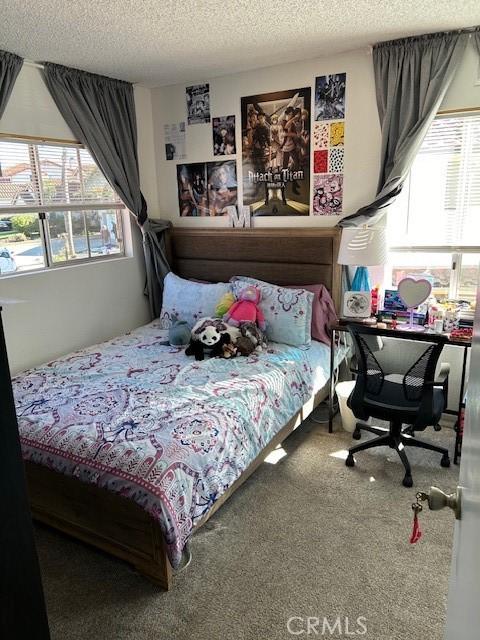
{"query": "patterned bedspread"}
[(145, 421)]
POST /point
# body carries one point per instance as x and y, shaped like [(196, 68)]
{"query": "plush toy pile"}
[(240, 332)]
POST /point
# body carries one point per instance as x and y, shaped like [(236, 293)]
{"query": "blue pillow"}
[(188, 300), (288, 312)]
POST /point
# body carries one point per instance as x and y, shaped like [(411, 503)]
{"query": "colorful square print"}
[(335, 160), (321, 135), (320, 161), (337, 131), (327, 194)]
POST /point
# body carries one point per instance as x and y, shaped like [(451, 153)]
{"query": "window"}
[(434, 227), (56, 207)]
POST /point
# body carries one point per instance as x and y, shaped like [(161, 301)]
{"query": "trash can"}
[(343, 390)]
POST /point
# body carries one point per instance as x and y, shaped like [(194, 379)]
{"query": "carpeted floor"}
[(305, 537)]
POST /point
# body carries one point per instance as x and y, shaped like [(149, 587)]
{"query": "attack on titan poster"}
[(276, 152)]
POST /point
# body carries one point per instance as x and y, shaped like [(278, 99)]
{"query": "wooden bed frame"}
[(119, 526)]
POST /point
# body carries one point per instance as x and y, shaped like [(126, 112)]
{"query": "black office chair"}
[(396, 382)]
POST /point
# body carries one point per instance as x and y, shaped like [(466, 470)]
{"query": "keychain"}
[(417, 508)]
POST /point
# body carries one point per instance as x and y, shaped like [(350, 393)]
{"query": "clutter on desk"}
[(454, 317)]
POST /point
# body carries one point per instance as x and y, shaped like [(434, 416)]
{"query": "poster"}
[(276, 152), (207, 188), (223, 130), (198, 103), (175, 141), (327, 194), (330, 96)]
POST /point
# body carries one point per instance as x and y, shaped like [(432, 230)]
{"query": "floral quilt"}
[(143, 420)]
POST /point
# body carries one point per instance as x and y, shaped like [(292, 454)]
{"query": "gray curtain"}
[(10, 65), (100, 112), (476, 39), (154, 247), (412, 76)]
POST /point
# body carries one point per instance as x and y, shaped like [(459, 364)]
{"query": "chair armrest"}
[(442, 374), (442, 378)]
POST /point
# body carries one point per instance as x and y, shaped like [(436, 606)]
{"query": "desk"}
[(342, 325)]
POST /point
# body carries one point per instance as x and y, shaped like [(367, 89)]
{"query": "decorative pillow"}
[(288, 312), (323, 313), (189, 300)]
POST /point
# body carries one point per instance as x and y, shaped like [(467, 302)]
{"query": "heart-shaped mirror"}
[(414, 292)]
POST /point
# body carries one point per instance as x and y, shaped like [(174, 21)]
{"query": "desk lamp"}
[(362, 247)]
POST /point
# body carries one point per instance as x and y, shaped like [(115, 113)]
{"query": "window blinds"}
[(50, 175), (442, 199)]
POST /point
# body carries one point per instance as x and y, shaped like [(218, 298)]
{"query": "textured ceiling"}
[(158, 43)]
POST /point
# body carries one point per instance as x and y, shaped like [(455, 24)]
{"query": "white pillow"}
[(188, 300)]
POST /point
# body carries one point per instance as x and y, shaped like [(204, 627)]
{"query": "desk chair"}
[(396, 382)]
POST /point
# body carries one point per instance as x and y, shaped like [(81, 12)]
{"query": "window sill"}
[(76, 265)]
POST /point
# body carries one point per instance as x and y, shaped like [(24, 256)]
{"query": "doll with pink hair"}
[(246, 308)]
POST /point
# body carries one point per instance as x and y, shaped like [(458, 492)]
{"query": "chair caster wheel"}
[(357, 434), (437, 427), (445, 461), (409, 431), (350, 462), (407, 481)]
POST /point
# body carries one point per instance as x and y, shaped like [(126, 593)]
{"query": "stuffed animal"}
[(246, 308), (209, 335), (251, 339), (229, 350), (251, 331), (244, 346), (224, 304), (179, 333)]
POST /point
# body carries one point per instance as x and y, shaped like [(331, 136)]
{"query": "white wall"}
[(464, 92), (71, 307), (362, 131)]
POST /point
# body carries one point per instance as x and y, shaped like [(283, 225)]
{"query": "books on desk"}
[(402, 316), (465, 318)]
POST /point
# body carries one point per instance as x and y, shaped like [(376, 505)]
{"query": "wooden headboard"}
[(287, 256)]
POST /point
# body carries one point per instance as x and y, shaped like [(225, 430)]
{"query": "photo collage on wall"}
[(328, 144), (206, 188), (276, 139)]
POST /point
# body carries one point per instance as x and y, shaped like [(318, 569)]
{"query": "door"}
[(22, 606), (463, 611)]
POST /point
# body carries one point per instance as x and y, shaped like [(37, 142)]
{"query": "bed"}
[(131, 446)]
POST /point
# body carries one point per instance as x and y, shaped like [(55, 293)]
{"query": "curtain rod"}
[(39, 65), (466, 30)]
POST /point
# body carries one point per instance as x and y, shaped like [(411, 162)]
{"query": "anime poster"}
[(198, 103), (223, 136), (327, 194), (276, 152), (206, 188), (222, 186), (175, 141), (192, 189), (330, 96)]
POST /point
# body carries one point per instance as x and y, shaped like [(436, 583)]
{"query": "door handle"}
[(438, 499)]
